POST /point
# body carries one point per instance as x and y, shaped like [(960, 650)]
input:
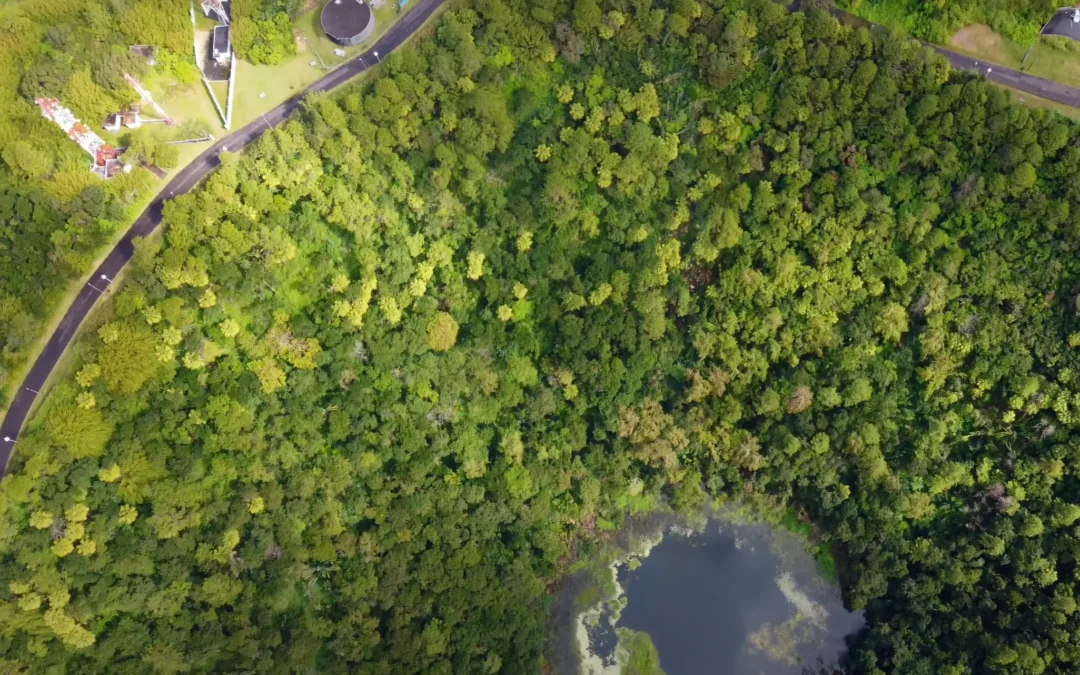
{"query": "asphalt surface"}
[(1013, 78), (190, 176), (1062, 25), (184, 181), (1038, 86)]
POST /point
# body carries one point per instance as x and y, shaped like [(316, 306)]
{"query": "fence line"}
[(217, 106), (232, 88)]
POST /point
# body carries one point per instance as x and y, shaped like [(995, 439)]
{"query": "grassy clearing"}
[(260, 88), (202, 22), (982, 42), (1056, 59), (192, 102), (221, 93)]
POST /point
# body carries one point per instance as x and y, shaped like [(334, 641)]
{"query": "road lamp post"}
[(107, 279), (377, 57)]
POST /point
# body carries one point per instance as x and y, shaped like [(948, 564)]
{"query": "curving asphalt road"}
[(150, 218)]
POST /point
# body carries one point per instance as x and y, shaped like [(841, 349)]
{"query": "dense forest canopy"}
[(262, 30), (394, 370)]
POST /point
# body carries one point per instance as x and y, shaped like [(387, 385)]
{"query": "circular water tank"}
[(348, 22)]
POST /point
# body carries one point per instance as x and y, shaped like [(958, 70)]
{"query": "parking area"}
[(1066, 23)]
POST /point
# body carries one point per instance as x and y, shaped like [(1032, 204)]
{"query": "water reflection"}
[(735, 599)]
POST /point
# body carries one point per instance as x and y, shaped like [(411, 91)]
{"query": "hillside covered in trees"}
[(394, 370)]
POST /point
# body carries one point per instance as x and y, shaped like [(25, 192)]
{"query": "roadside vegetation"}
[(263, 83), (934, 20), (1053, 58), (56, 215), (1006, 35), (77, 51), (391, 367)]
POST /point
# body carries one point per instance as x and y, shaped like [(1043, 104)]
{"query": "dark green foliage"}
[(262, 31), (642, 658), (394, 369)]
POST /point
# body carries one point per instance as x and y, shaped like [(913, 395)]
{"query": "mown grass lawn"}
[(260, 88), (1056, 59)]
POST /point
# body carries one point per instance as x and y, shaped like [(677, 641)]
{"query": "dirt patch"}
[(301, 42), (978, 39), (202, 43)]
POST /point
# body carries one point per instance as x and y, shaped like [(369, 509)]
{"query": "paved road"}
[(1054, 91), (1062, 24), (184, 181), (993, 72)]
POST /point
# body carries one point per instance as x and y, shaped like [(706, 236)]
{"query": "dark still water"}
[(736, 600), (733, 599)]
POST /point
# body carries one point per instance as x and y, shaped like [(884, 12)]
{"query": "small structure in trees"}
[(131, 117), (145, 51)]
